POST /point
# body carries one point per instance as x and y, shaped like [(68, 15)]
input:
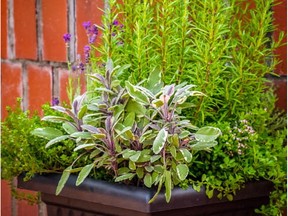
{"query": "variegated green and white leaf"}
[(203, 145), (182, 171), (148, 180), (83, 146), (186, 154), (168, 185), (56, 119), (69, 127), (160, 141), (82, 135), (47, 133), (136, 94), (125, 177), (64, 177), (207, 134), (56, 140), (85, 171)]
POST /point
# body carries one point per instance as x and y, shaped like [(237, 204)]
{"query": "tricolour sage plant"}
[(136, 132)]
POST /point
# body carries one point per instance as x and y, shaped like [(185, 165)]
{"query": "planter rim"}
[(132, 197)]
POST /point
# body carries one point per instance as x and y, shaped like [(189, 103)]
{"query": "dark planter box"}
[(101, 198)]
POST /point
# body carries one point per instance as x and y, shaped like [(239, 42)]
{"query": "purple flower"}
[(115, 22), (87, 53), (67, 37), (94, 29), (120, 43), (87, 49), (86, 25), (74, 68), (55, 101), (81, 66), (92, 38)]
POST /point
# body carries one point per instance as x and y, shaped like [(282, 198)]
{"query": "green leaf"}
[(159, 169), (129, 119), (140, 172), (186, 154), (136, 94), (184, 134), (137, 108), (148, 180), (173, 151), (55, 119), (82, 135), (69, 127), (209, 193), (123, 131), (47, 133), (182, 171), (197, 187), (94, 153), (64, 177), (82, 111), (84, 173), (145, 135), (159, 141), (168, 185), (175, 140), (154, 82), (56, 140), (132, 165), (203, 145), (84, 146), (207, 134), (149, 168), (144, 157), (157, 103), (127, 153), (155, 158), (158, 190), (98, 136), (123, 170), (135, 156), (155, 177), (120, 71), (124, 177), (230, 197)]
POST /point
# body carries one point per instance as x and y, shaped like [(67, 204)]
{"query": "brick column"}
[(33, 60)]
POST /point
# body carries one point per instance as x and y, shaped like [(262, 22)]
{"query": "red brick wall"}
[(33, 59), (33, 55)]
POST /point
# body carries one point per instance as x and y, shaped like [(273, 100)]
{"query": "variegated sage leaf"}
[(168, 185), (47, 133), (207, 134), (56, 140), (186, 154), (136, 94), (182, 171), (85, 171), (64, 177), (160, 141)]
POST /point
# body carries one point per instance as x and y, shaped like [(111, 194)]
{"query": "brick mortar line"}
[(55, 83), (71, 19), (64, 65), (10, 30), (40, 63), (39, 29), (25, 96)]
